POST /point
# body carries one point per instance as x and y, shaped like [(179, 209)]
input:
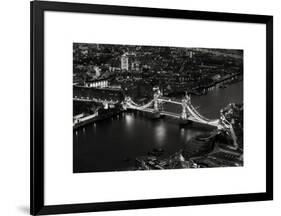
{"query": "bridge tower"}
[(188, 99), (225, 125), (105, 105), (156, 103), (184, 113), (125, 103), (157, 94), (185, 103)]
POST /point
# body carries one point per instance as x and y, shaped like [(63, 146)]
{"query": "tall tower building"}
[(124, 62)]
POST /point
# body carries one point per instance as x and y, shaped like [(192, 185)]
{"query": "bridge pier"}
[(105, 105), (156, 111), (183, 113), (156, 107), (124, 106), (156, 114), (184, 122)]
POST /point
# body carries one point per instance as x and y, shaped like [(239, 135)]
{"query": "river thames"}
[(113, 144)]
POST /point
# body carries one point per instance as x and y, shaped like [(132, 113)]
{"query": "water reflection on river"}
[(113, 144)]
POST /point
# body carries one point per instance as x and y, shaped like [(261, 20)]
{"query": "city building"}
[(97, 83), (129, 62), (124, 62)]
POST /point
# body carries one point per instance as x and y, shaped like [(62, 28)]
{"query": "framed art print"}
[(141, 107)]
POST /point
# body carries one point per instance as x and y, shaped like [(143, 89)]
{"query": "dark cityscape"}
[(149, 107)]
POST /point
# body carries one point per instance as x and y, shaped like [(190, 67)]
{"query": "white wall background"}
[(14, 109)]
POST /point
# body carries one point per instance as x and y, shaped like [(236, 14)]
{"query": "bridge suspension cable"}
[(134, 105), (194, 113)]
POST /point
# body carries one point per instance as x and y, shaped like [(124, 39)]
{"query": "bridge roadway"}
[(168, 100), (174, 115), (165, 113)]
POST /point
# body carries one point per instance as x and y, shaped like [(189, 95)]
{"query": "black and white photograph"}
[(138, 107)]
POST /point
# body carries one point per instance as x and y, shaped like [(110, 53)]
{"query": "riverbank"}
[(98, 116)]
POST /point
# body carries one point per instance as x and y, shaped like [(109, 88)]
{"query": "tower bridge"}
[(189, 113)]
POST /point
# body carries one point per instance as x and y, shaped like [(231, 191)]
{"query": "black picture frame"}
[(37, 205)]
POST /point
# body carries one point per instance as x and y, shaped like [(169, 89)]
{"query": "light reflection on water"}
[(129, 121), (160, 134)]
